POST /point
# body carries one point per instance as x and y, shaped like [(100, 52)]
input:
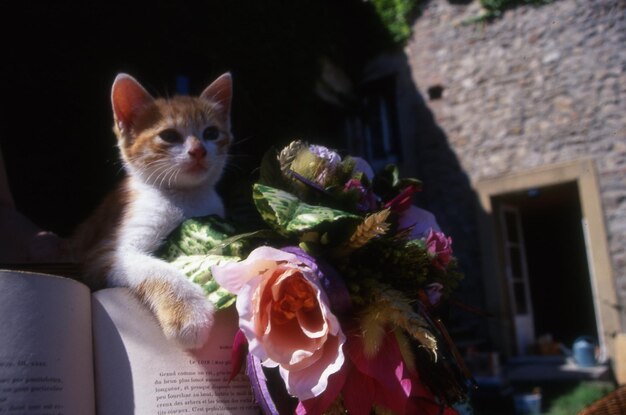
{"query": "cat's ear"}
[(221, 92), (128, 97)]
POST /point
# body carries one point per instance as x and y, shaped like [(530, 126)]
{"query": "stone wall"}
[(538, 86)]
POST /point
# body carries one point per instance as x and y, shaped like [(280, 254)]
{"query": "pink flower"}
[(367, 198), (383, 380), (285, 315), (439, 246), (402, 201), (419, 220), (354, 184)]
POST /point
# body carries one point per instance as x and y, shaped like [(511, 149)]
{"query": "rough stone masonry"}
[(537, 86)]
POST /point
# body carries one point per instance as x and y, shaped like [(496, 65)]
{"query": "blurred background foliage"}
[(397, 16), (495, 8)]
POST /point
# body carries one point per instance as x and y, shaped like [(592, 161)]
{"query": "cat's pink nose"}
[(197, 152)]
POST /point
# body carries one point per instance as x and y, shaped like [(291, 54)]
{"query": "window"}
[(372, 131)]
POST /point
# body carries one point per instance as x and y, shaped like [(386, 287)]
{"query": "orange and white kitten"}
[(174, 151)]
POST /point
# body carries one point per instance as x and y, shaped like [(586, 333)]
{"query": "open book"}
[(66, 351)]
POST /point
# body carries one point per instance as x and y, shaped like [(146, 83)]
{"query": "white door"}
[(516, 273)]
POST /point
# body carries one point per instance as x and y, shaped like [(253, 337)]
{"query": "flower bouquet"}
[(336, 292)]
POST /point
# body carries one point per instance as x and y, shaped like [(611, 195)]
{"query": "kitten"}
[(174, 151)]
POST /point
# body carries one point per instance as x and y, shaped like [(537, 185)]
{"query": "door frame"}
[(602, 282), (523, 322)]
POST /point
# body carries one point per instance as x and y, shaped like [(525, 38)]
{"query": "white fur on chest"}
[(154, 213)]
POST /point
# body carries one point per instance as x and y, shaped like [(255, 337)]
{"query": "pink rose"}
[(285, 315), (439, 246)]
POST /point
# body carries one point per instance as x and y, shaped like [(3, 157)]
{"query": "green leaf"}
[(386, 181), (195, 236), (289, 215), (397, 16), (240, 245), (408, 181), (198, 270)]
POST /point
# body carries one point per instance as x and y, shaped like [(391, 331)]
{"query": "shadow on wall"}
[(424, 153), (528, 246), (450, 196), (523, 249)]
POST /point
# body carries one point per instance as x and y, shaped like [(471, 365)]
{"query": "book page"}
[(139, 371), (46, 365)]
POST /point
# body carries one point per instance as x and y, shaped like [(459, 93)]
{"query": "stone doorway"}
[(551, 281), (566, 200)]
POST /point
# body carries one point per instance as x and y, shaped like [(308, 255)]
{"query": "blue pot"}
[(584, 351)]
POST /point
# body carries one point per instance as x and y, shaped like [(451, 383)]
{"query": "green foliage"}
[(189, 248), (397, 16), (289, 215), (495, 8), (195, 237), (405, 262), (198, 270), (388, 183), (583, 395)]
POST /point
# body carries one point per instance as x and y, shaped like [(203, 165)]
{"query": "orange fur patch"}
[(160, 296), (93, 243)]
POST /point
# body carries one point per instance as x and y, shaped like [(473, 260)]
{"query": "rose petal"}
[(312, 323), (301, 359), (233, 275), (247, 321), (387, 369), (359, 392), (280, 345), (320, 404), (312, 382), (238, 354), (301, 256)]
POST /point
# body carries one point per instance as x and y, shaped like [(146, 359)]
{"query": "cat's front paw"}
[(192, 325), (183, 311)]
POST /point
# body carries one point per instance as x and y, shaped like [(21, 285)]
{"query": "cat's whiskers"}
[(171, 172), (174, 176), (240, 141), (139, 164), (159, 171), (163, 176), (157, 167), (139, 160)]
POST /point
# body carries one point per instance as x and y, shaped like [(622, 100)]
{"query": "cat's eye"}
[(211, 133), (171, 136)]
